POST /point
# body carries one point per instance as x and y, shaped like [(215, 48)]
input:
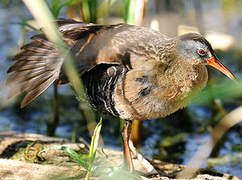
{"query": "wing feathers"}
[(38, 64), (37, 91), (22, 76), (26, 65), (42, 40), (20, 87)]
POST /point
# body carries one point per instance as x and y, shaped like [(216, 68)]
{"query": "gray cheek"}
[(188, 53), (186, 50), (191, 52)]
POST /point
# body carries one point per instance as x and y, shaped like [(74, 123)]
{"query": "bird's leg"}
[(126, 136)]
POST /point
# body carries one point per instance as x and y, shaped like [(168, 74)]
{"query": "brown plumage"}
[(129, 71)]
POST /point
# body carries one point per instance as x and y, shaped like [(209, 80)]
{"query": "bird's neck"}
[(185, 71), (190, 78)]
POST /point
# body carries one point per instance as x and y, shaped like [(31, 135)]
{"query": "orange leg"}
[(126, 135)]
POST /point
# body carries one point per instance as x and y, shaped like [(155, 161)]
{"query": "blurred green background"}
[(173, 139)]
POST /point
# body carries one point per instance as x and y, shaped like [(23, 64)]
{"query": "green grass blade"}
[(94, 142), (93, 4), (86, 11), (24, 23), (129, 11), (82, 160), (93, 149)]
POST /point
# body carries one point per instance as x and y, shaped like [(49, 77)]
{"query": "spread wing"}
[(38, 64)]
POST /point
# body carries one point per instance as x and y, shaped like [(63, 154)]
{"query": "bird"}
[(130, 72)]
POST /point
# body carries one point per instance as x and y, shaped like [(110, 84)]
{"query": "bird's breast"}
[(150, 94)]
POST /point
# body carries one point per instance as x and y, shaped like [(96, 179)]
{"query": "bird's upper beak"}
[(214, 62)]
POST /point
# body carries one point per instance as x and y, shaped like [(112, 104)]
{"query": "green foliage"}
[(93, 165), (81, 159), (84, 160), (129, 11), (223, 89), (93, 148), (56, 5), (93, 7), (237, 148)]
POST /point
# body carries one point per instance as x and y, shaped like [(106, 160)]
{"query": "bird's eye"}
[(202, 52)]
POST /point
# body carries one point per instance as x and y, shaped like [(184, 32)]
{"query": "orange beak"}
[(214, 62)]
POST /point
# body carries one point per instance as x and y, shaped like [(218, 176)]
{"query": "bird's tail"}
[(37, 66)]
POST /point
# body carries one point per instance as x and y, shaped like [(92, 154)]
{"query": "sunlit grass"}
[(84, 160), (87, 160), (93, 148)]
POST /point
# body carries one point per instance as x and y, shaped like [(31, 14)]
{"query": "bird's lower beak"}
[(214, 62)]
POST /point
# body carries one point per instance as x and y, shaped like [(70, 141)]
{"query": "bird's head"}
[(196, 49)]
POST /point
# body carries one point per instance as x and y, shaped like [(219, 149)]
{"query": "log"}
[(32, 156)]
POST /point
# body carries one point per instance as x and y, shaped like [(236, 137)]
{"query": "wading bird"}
[(130, 72)]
